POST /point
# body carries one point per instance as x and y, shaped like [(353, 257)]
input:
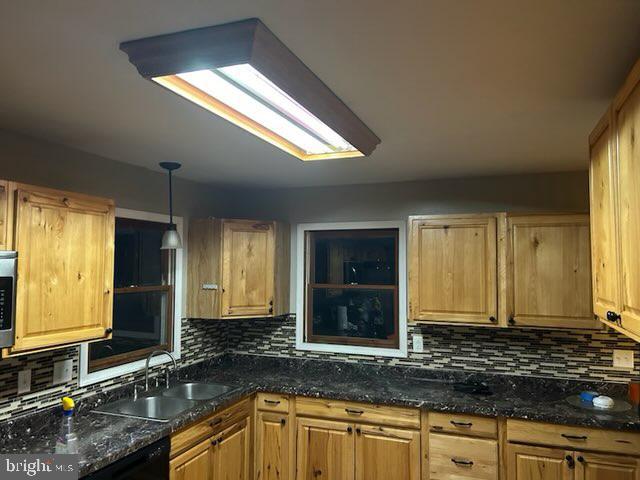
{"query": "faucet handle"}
[(166, 377)]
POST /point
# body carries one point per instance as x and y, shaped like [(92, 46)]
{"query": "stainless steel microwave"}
[(8, 261)]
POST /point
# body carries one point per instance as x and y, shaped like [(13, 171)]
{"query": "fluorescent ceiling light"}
[(243, 73), (242, 95)]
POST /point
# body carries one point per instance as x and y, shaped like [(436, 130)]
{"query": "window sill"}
[(352, 349)]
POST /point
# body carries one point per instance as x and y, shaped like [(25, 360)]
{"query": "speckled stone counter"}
[(105, 439)]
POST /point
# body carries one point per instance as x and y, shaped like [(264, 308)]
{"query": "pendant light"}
[(171, 238)]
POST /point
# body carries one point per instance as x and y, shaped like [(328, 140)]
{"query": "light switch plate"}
[(418, 343), (623, 359), (24, 381), (62, 371)]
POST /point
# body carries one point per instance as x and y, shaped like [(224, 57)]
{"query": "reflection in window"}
[(352, 287), (143, 296)]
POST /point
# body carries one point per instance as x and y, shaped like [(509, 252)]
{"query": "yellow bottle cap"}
[(67, 403)]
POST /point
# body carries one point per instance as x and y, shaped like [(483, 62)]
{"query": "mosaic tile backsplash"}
[(542, 353)]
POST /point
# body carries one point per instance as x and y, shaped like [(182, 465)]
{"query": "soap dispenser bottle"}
[(67, 440)]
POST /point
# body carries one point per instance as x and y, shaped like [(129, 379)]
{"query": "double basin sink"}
[(163, 405)]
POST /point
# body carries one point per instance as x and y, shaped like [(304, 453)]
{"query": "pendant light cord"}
[(170, 200)]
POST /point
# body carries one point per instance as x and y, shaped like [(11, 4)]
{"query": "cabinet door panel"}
[(65, 245), (4, 215), (604, 225), (537, 463), (628, 126), (453, 268), (592, 466), (232, 453), (387, 453), (551, 271), (325, 450), (248, 268), (194, 464), (272, 446)]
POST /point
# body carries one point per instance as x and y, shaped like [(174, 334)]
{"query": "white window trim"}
[(301, 344), (87, 378)]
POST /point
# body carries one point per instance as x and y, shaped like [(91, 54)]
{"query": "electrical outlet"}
[(24, 381), (418, 344), (62, 371), (623, 359)]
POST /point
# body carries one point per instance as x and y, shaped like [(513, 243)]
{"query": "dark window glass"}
[(352, 293), (143, 296)]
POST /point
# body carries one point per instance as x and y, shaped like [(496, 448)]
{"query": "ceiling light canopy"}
[(243, 73)]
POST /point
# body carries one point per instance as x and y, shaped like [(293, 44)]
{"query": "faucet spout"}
[(146, 368)]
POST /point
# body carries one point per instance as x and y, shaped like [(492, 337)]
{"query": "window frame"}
[(347, 347), (89, 377)]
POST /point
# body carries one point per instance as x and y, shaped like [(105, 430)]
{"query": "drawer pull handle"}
[(462, 463), (351, 411), (215, 422), (461, 424), (272, 402), (575, 437)]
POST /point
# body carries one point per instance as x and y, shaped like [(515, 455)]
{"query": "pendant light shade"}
[(171, 239)]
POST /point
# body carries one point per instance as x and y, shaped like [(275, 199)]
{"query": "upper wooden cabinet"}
[(453, 268), (549, 271), (237, 269), (5, 215), (65, 244), (615, 206)]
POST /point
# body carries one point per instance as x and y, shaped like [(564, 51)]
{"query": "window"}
[(146, 317), (352, 289)]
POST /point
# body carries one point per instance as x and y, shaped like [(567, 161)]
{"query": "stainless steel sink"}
[(196, 391), (157, 408)]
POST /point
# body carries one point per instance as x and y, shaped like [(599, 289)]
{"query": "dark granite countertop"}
[(105, 439)]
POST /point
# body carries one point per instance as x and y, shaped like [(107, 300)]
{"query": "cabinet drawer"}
[(462, 458), (195, 433), (272, 402), (358, 412), (578, 438), (472, 425)]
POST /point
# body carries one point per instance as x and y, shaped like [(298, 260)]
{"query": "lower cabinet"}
[(194, 464), (336, 450), (325, 450), (273, 431), (526, 462)]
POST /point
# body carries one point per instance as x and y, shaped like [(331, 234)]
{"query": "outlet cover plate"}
[(418, 343), (62, 371), (24, 381), (623, 359)]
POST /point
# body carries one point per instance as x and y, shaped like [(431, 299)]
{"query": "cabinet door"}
[(232, 452), (248, 268), (325, 450), (194, 464), (550, 271), (627, 121), (593, 466), (387, 453), (604, 225), (453, 268), (272, 446), (65, 244), (525, 462), (4, 215)]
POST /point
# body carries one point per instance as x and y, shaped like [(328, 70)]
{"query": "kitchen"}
[(222, 297)]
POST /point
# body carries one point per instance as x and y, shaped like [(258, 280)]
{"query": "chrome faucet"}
[(146, 368)]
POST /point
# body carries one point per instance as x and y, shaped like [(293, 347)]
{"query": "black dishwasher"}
[(149, 463)]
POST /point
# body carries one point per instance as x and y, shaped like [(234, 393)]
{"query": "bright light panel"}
[(246, 91)]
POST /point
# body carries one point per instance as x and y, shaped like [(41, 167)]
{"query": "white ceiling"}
[(452, 87)]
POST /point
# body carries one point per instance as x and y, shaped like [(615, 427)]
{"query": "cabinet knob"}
[(349, 430), (581, 459), (108, 331), (358, 431), (214, 442), (283, 421), (613, 316), (570, 462), (270, 309), (512, 321), (493, 319)]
